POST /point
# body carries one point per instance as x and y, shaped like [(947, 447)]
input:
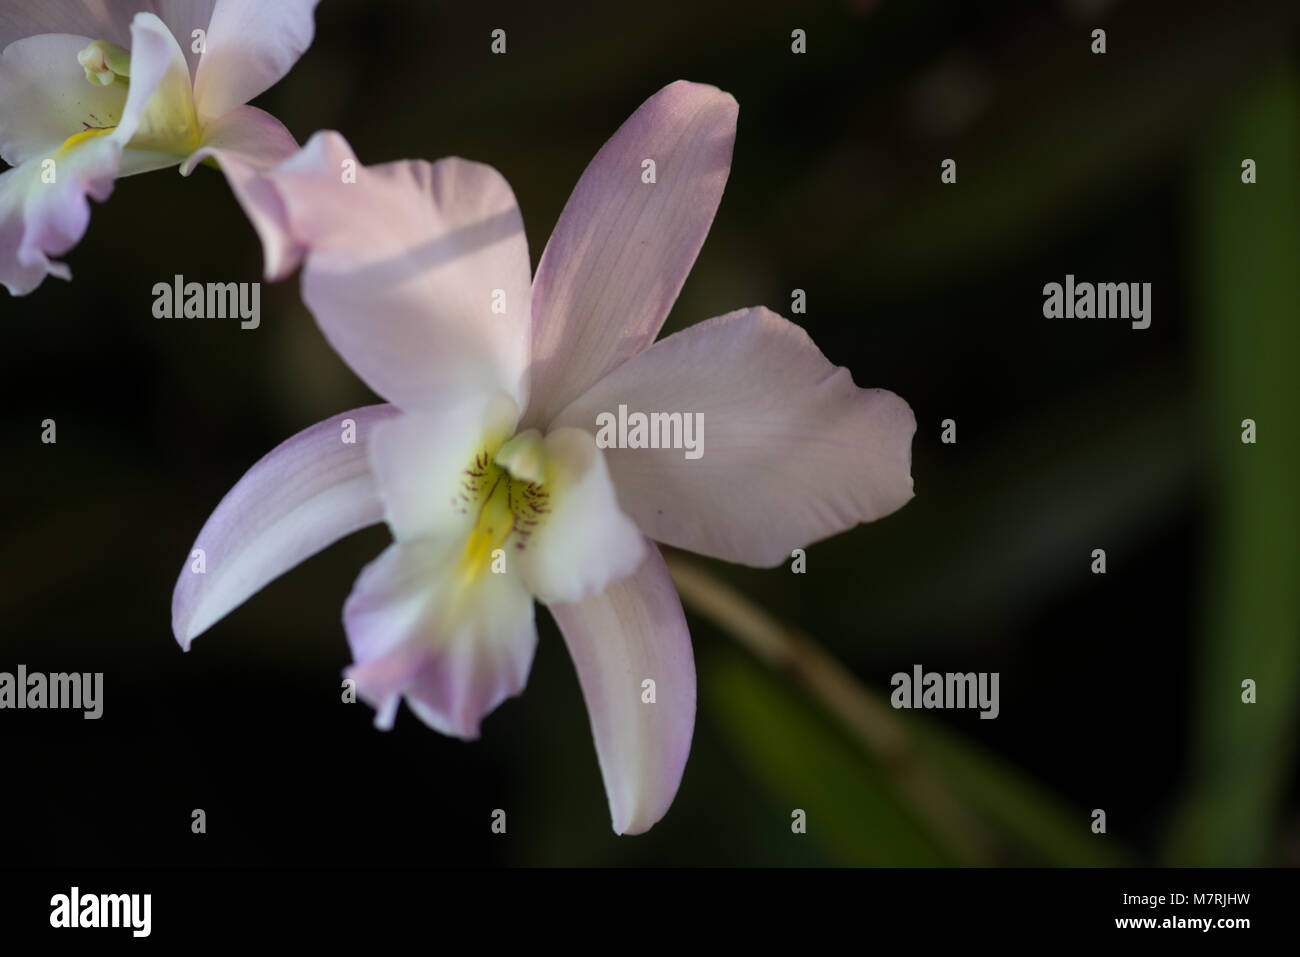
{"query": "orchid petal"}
[(259, 194), (45, 98), (245, 143), (251, 44), (419, 461), (795, 452), (183, 18), (632, 632), (100, 19), (454, 652), (306, 494), (583, 542), (622, 248), (408, 269), (160, 102), (105, 20), (44, 207), (40, 219)]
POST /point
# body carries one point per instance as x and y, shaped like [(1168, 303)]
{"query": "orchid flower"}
[(91, 90), (484, 463)]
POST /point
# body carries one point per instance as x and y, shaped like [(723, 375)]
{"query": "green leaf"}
[(805, 761), (1039, 827), (1248, 246), (858, 809)]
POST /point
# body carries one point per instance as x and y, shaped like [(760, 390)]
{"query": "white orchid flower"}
[(485, 465), (91, 90)]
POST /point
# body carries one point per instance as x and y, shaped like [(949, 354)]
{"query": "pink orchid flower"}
[(485, 465), (91, 90)]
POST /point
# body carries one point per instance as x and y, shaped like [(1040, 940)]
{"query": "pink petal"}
[(251, 44), (405, 266), (793, 451), (101, 19), (304, 495), (41, 220), (96, 19), (622, 248), (633, 631), (182, 17), (453, 654), (247, 142)]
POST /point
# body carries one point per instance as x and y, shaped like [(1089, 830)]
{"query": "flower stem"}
[(875, 726)]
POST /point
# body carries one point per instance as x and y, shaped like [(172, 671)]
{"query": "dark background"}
[(1119, 692)]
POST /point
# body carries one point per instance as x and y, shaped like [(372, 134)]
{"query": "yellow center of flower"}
[(507, 490), (105, 64), (167, 124), (76, 139)]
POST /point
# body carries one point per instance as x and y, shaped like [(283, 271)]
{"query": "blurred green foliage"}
[(1248, 339)]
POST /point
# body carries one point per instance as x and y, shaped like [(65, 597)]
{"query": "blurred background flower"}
[(1120, 692)]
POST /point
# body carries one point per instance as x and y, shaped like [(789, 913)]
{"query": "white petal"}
[(251, 44), (585, 542), (40, 219), (409, 269), (45, 97), (159, 113), (791, 452), (632, 632), (454, 652), (419, 460)]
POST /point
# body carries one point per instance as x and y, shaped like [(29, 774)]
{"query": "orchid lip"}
[(509, 507), (168, 124), (90, 133)]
